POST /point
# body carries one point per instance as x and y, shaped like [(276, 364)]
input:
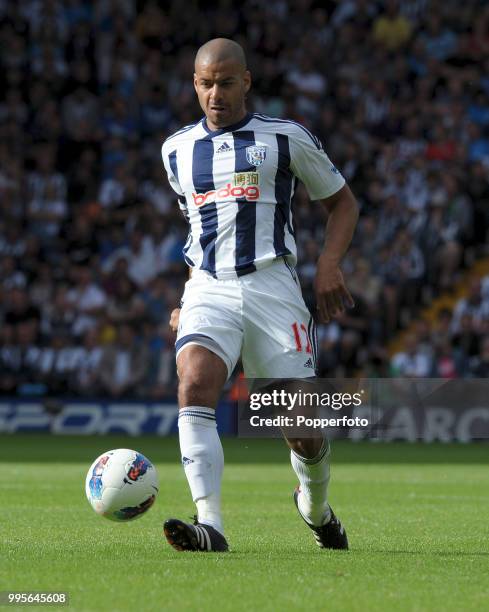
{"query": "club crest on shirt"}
[(255, 155)]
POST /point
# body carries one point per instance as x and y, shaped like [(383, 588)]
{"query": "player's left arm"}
[(324, 183), (332, 295)]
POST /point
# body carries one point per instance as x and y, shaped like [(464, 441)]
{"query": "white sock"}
[(313, 477), (203, 461)]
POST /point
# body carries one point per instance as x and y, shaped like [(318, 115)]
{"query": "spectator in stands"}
[(411, 362), (47, 211), (12, 243), (85, 377), (473, 305), (124, 364), (479, 366), (125, 305), (328, 347), (466, 340), (46, 179), (424, 334), (58, 315), (155, 299), (142, 260), (162, 373), (9, 370), (439, 41), (448, 362), (19, 358), (411, 268), (10, 275), (440, 240), (367, 286), (41, 289), (20, 311), (80, 108), (391, 29), (86, 298)]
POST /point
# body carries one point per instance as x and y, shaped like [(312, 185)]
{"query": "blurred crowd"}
[(454, 345), (91, 236)]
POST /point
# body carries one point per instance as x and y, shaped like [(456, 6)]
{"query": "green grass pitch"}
[(417, 518)]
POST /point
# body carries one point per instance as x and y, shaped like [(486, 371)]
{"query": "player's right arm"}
[(174, 319), (175, 185), (175, 313)]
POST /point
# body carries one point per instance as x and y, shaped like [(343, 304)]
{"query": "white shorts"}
[(261, 317)]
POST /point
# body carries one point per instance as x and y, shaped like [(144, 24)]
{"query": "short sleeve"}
[(170, 163), (309, 162)]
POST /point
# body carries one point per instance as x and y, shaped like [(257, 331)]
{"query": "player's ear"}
[(247, 80), (195, 81)]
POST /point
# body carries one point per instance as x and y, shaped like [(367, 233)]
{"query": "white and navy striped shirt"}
[(235, 187)]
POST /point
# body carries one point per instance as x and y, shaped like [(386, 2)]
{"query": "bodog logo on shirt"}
[(245, 185)]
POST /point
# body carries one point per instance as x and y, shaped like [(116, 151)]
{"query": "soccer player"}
[(235, 174)]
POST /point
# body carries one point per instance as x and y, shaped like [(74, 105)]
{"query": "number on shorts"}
[(297, 337)]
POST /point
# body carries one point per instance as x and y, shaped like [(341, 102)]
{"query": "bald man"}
[(235, 174)]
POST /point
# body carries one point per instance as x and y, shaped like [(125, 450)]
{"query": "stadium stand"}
[(90, 234)]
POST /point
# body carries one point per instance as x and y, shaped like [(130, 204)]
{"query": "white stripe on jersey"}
[(223, 168), (237, 184), (265, 214)]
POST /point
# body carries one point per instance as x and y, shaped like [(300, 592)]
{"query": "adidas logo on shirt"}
[(308, 363), (186, 461), (223, 148)]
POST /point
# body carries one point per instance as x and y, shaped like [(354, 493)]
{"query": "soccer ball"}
[(121, 484)]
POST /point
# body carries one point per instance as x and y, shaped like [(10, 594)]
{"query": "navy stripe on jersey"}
[(186, 248), (291, 225), (283, 190), (246, 215), (267, 119), (172, 158), (203, 180), (208, 237), (182, 202)]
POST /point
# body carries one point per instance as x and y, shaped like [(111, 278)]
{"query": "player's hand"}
[(332, 296), (174, 319)]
